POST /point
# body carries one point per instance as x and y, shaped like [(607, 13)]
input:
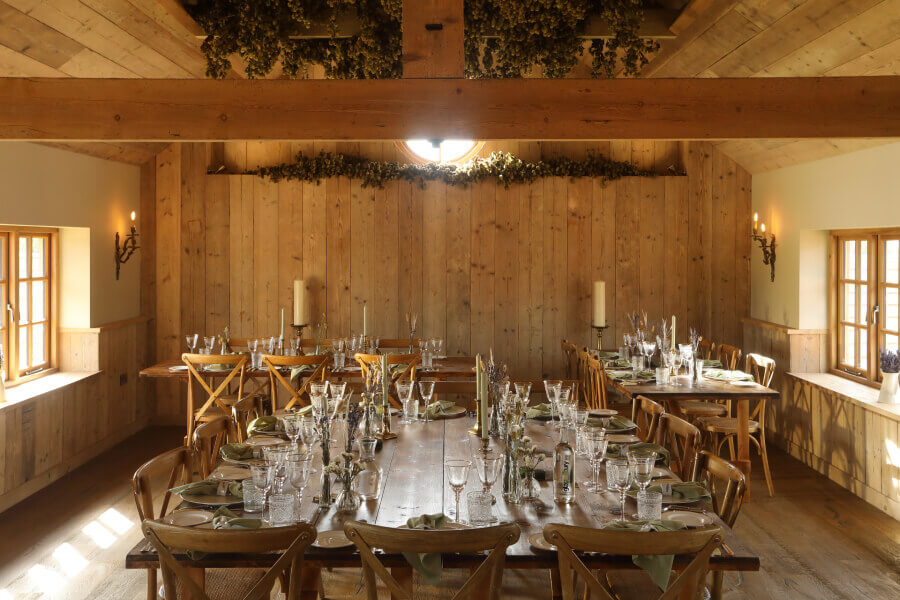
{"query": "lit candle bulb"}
[(755, 222), (763, 226), (133, 215)]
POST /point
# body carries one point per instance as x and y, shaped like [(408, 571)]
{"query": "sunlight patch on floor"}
[(47, 580), (116, 521), (70, 560), (101, 536)]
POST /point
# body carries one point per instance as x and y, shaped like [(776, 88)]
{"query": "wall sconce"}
[(766, 244), (124, 252)]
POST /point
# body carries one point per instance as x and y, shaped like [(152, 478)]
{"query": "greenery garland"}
[(542, 33), (504, 167)]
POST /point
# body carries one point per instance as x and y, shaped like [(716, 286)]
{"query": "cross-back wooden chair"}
[(277, 379), (683, 442), (208, 438), (646, 413), (570, 351), (219, 400), (243, 413), (177, 466), (727, 485), (367, 362), (597, 382), (724, 429), (584, 374), (705, 349), (244, 584), (259, 386), (570, 539), (484, 582), (729, 356)]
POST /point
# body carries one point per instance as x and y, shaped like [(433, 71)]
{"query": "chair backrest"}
[(761, 367), (705, 349), (272, 362), (597, 382), (584, 374), (570, 539), (571, 354), (368, 362), (725, 482), (646, 413), (729, 356), (243, 412), (488, 576), (398, 343), (176, 465), (683, 442), (292, 540), (237, 362), (208, 438)]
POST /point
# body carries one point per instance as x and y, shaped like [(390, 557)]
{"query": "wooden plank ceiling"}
[(724, 38)]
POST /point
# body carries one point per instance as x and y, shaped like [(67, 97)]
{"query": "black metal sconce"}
[(766, 244), (124, 252)]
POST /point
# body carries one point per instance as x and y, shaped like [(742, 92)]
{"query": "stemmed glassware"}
[(437, 347), (596, 442), (618, 477), (261, 474), (487, 465), (192, 342), (410, 405), (291, 423), (426, 390), (552, 387), (208, 343), (641, 463), (299, 468), (295, 346), (457, 476)]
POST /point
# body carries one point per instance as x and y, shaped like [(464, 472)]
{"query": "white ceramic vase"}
[(889, 387)]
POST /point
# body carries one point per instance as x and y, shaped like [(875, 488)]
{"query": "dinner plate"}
[(230, 473), (537, 541), (178, 368), (743, 383), (601, 413), (451, 413), (189, 517), (211, 499), (331, 540), (690, 518), (263, 440), (623, 439)]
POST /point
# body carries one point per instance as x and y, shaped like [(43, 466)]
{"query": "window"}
[(26, 281), (441, 151), (866, 300)]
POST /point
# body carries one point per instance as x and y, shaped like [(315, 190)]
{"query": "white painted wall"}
[(801, 204), (89, 199)]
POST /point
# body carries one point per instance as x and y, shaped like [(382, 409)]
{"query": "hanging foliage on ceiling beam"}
[(503, 167), (503, 38)]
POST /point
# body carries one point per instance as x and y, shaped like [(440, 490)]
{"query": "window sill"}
[(858, 393), (30, 390)]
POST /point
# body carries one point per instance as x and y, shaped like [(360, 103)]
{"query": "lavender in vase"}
[(890, 368)]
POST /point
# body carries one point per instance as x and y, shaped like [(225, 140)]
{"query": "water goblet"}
[(299, 468), (457, 476), (523, 390), (487, 466), (618, 477), (295, 346), (426, 390), (337, 344), (581, 417), (252, 346), (261, 475), (641, 463), (318, 388), (192, 341), (637, 364), (596, 441), (291, 424), (208, 343), (404, 391)]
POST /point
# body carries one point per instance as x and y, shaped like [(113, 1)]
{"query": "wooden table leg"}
[(310, 583), (743, 439), (404, 576)]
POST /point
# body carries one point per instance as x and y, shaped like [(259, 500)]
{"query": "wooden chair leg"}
[(152, 585), (765, 461), (731, 447), (715, 591)]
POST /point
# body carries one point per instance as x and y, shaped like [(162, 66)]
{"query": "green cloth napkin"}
[(236, 451), (615, 450), (429, 565), (539, 410), (620, 362), (267, 424), (712, 364), (398, 368), (225, 519), (303, 410), (615, 422), (436, 409), (728, 375), (210, 487), (608, 355), (644, 375), (657, 566), (687, 490), (301, 369)]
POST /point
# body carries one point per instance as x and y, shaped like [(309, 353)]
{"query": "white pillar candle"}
[(301, 307), (599, 299)]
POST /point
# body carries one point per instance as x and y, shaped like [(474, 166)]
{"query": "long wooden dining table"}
[(706, 389), (415, 484)]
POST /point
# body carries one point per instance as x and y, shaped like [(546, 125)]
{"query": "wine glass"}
[(404, 391), (437, 347), (261, 474), (457, 476), (295, 346), (337, 390), (192, 342), (641, 463), (552, 387), (618, 477), (426, 390), (318, 389), (596, 441), (487, 465), (208, 343), (523, 390), (299, 466), (337, 344), (291, 424)]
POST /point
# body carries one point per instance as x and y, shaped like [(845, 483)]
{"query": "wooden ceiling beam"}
[(532, 109)]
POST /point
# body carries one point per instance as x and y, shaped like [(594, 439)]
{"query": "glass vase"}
[(348, 500), (511, 479), (529, 488)]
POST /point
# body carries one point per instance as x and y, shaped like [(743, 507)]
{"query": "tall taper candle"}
[(281, 335), (385, 382), (365, 318), (673, 333), (599, 303)]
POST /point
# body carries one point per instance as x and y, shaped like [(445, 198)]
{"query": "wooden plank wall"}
[(483, 267), (46, 436)]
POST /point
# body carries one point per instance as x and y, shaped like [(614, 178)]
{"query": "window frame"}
[(874, 324), (416, 158), (10, 336)]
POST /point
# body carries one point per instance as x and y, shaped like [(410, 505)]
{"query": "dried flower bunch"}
[(502, 166), (890, 360), (503, 38)]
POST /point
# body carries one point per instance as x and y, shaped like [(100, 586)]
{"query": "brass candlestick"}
[(386, 433), (599, 335), (299, 329)]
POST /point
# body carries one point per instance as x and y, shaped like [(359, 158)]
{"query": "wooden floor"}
[(815, 539)]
